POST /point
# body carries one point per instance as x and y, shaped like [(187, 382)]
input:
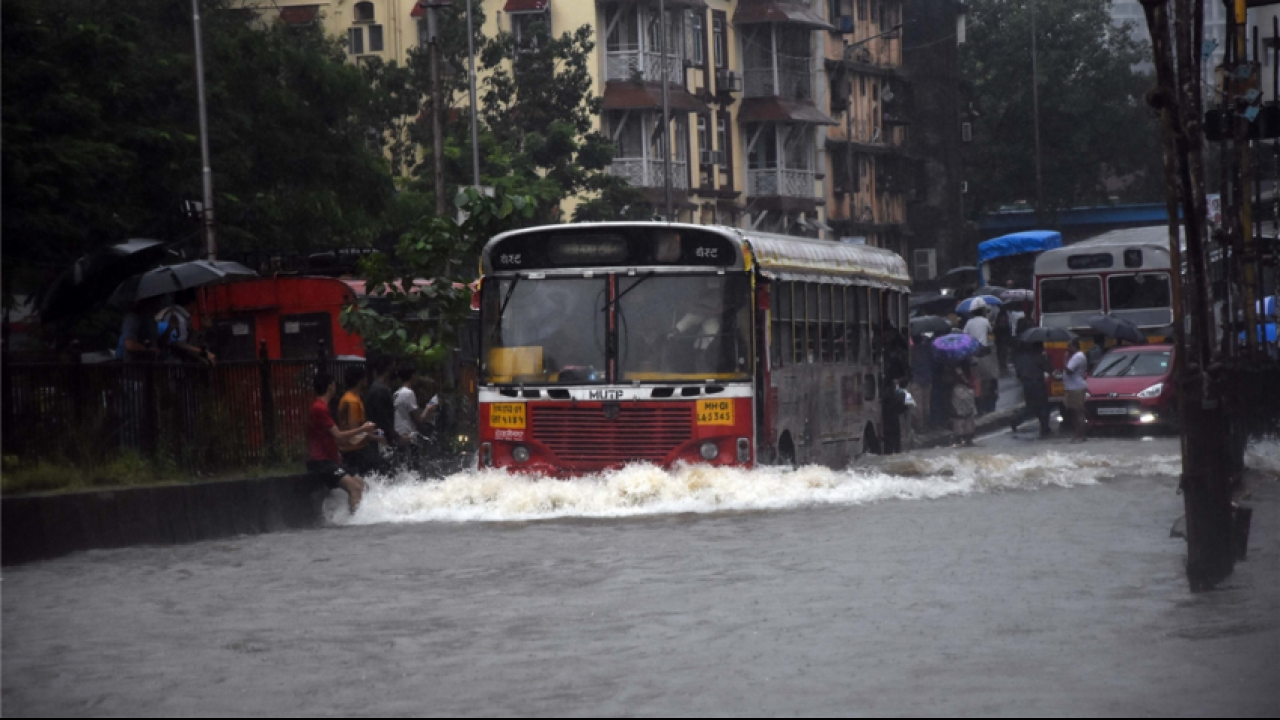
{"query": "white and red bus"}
[(611, 343), (1124, 273)]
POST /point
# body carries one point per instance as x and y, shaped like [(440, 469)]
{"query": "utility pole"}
[(206, 171), (666, 107), (1035, 114), (1205, 482), (437, 101), (475, 107)]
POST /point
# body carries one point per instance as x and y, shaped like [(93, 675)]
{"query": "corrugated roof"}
[(778, 109), (779, 11), (628, 95)]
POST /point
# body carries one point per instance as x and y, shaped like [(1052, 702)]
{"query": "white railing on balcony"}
[(785, 183), (648, 66), (639, 172), (794, 79)]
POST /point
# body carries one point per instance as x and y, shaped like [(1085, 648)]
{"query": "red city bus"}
[(296, 316), (1125, 273), (604, 344)]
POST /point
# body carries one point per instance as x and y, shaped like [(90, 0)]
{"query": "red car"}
[(1133, 385)]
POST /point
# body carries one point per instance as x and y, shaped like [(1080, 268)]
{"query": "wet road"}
[(1021, 578)]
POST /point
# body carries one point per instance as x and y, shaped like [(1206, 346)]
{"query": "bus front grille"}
[(639, 433)]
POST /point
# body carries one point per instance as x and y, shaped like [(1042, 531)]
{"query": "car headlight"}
[(1153, 391)]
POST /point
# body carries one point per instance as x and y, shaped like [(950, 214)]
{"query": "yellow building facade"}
[(785, 115)]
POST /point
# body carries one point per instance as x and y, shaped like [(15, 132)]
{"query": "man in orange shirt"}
[(323, 437), (360, 452)]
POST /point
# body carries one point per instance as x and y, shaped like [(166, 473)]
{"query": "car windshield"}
[(684, 327), (1133, 364), (546, 331)]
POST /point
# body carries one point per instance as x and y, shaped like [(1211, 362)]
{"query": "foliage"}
[(1096, 132), (413, 307), (101, 130)]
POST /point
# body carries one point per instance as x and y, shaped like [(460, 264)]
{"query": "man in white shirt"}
[(1073, 379), (406, 405), (986, 367)]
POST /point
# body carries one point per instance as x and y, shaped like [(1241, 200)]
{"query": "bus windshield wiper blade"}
[(620, 295), (497, 325)]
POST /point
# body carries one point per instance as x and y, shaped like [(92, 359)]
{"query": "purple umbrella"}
[(955, 348)]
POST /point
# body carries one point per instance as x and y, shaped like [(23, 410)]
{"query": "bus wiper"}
[(622, 294), (497, 325)]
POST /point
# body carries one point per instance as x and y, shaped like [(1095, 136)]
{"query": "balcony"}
[(643, 65), (792, 78), (780, 182), (647, 173)]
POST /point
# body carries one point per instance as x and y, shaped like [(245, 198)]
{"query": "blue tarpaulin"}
[(1031, 241)]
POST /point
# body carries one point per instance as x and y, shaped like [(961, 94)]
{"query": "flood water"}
[(1014, 579)]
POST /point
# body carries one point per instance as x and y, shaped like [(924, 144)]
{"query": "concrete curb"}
[(985, 424), (39, 527)]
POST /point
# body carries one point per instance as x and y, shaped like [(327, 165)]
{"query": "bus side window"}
[(780, 317), (825, 328), (837, 324), (811, 322), (857, 321), (874, 317), (787, 319)]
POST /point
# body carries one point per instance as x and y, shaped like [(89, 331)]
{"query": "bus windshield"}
[(546, 331), (674, 328)]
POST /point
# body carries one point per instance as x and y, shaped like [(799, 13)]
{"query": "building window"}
[(722, 139), (718, 41), (364, 12), (355, 41), (704, 141), (527, 26), (375, 38), (862, 10), (699, 29)]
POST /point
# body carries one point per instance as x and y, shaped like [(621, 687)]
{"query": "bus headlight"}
[(709, 451), (520, 454)]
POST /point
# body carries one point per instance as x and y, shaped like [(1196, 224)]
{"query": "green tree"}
[(1098, 138), (414, 304), (100, 131)]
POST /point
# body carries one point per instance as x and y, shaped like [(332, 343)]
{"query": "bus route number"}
[(507, 415), (715, 412)]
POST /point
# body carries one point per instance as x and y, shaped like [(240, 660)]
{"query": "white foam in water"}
[(1264, 455), (496, 496)]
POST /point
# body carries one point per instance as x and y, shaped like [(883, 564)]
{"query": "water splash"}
[(1264, 455), (496, 496)]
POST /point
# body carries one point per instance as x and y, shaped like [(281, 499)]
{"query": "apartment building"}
[(785, 115)]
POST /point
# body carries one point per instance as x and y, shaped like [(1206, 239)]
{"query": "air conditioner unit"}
[(728, 81), (712, 157), (845, 24)]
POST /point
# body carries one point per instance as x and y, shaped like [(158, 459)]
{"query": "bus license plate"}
[(507, 415), (1057, 389), (715, 412)]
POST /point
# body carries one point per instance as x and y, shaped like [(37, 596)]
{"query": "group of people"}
[(374, 427), (158, 329)]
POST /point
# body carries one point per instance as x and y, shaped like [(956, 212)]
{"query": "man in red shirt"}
[(323, 436)]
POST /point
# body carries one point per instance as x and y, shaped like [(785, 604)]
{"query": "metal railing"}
[(785, 183), (647, 66), (639, 172), (207, 419), (794, 79)]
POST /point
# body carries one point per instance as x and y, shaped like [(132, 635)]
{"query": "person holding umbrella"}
[(987, 370), (963, 404), (1033, 366), (1075, 384)]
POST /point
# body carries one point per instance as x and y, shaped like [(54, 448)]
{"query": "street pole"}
[(1035, 114), (437, 106), (1243, 184), (666, 107), (206, 171), (475, 107)]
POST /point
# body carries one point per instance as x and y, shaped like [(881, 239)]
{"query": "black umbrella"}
[(1118, 328), (1046, 334), (933, 304), (931, 324), (176, 278), (92, 278)]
